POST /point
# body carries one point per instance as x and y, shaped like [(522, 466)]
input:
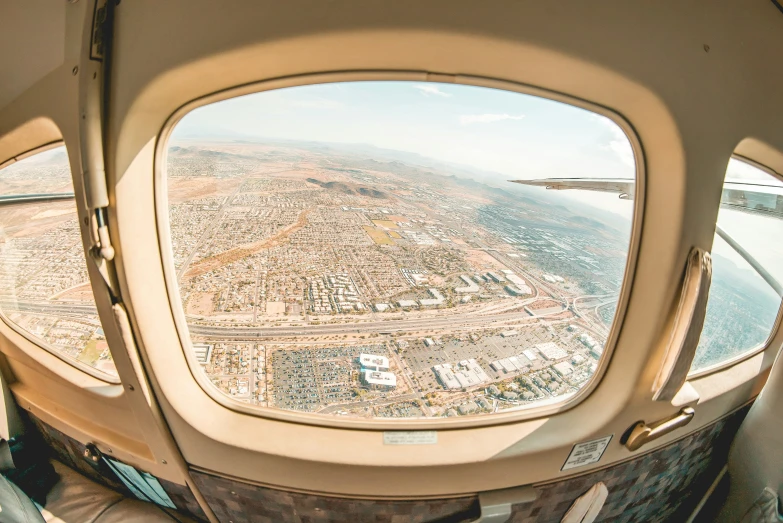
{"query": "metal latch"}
[(496, 504)]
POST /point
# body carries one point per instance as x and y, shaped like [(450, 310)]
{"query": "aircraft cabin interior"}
[(341, 261)]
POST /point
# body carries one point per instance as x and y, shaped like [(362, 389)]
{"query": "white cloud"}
[(618, 143), (466, 119), (428, 89)]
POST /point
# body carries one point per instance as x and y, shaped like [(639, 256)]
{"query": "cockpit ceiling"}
[(33, 41)]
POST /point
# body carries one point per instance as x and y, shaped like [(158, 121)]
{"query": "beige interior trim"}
[(141, 387), (687, 326), (71, 399), (29, 138), (215, 438), (27, 154), (600, 52), (762, 155)]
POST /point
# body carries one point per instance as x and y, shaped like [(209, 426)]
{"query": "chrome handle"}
[(641, 433)]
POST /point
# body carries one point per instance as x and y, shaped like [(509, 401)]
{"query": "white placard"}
[(586, 453), (410, 437)]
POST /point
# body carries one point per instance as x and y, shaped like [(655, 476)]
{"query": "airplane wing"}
[(739, 195), (752, 197), (765, 199), (624, 187)]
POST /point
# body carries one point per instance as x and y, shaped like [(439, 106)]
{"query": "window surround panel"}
[(538, 410)]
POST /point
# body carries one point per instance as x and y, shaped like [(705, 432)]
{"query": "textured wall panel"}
[(663, 485), (71, 452), (237, 502), (660, 486)]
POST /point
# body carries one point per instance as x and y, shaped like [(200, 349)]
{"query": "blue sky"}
[(516, 135)]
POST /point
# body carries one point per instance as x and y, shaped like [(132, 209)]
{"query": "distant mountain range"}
[(350, 188), (367, 156)]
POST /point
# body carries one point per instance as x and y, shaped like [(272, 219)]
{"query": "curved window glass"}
[(360, 249), (745, 293), (44, 289)]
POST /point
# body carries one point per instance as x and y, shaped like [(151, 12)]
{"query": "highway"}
[(254, 333), (51, 308), (456, 321)]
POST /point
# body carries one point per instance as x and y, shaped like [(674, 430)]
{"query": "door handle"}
[(642, 433)]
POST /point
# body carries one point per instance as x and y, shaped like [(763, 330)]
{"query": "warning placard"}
[(586, 453), (412, 437)]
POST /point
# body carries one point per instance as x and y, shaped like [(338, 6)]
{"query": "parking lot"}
[(309, 379), (420, 358)]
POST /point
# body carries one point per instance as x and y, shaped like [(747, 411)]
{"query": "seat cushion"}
[(76, 499), (15, 506)]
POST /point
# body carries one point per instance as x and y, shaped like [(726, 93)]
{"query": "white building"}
[(563, 368), (446, 376), (508, 365), (495, 277), (379, 379), (470, 286), (529, 354), (437, 299), (203, 352), (587, 340), (468, 374), (518, 290), (551, 351), (371, 361)]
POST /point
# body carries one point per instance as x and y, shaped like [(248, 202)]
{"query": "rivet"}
[(75, 70)]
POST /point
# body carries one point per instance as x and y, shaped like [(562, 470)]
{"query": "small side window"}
[(745, 294), (44, 290)]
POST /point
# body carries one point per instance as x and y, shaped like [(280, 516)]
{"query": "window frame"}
[(40, 344), (536, 411), (739, 358)]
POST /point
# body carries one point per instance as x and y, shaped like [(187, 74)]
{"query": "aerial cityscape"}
[(43, 278), (315, 278), (343, 278)]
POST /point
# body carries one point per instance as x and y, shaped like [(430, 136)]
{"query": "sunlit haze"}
[(514, 135)]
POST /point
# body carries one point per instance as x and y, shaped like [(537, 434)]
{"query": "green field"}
[(378, 236)]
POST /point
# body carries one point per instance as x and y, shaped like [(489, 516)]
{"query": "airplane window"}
[(44, 289), (745, 294), (359, 249)]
